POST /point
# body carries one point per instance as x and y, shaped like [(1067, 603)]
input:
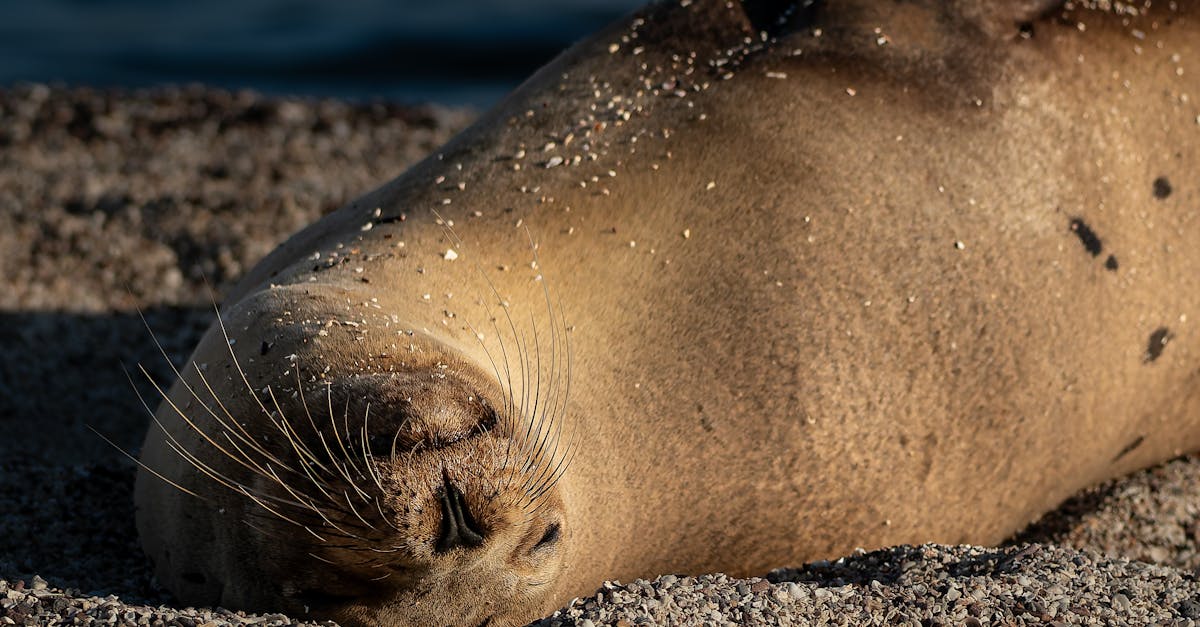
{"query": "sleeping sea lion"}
[(726, 287)]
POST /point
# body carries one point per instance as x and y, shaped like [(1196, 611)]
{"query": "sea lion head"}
[(380, 481)]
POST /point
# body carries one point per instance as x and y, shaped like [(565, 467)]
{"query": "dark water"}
[(449, 51)]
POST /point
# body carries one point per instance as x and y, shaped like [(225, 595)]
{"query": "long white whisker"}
[(246, 463), (183, 381), (144, 466), (342, 446), (242, 373), (349, 457)]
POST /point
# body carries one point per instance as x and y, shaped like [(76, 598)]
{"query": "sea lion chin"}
[(727, 287)]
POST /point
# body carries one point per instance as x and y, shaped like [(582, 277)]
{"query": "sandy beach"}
[(125, 215)]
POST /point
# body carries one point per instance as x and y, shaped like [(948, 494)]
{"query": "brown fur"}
[(923, 295)]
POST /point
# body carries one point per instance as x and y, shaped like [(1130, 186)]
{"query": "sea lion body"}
[(894, 273)]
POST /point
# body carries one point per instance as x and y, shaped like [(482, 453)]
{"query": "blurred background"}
[(468, 52)]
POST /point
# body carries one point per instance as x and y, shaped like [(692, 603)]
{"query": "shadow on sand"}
[(66, 507)]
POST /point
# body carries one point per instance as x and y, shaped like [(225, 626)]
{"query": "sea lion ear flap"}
[(1003, 18)]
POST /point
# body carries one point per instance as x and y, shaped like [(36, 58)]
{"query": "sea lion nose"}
[(458, 528)]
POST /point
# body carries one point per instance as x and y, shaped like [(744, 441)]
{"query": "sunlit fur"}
[(823, 293)]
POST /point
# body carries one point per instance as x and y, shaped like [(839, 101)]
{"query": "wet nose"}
[(458, 528)]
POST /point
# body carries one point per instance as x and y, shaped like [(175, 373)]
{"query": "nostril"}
[(458, 528)]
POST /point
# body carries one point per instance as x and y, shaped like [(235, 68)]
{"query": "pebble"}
[(53, 606)]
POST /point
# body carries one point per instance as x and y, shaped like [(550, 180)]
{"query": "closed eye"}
[(550, 537)]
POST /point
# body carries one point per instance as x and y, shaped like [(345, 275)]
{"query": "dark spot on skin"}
[(1089, 239), (705, 423), (1158, 341), (1025, 30), (265, 348), (1162, 188), (194, 578), (1130, 447), (1111, 263), (775, 17), (390, 219)]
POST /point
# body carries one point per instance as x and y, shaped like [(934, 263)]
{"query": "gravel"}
[(117, 205), (36, 603), (925, 585)]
